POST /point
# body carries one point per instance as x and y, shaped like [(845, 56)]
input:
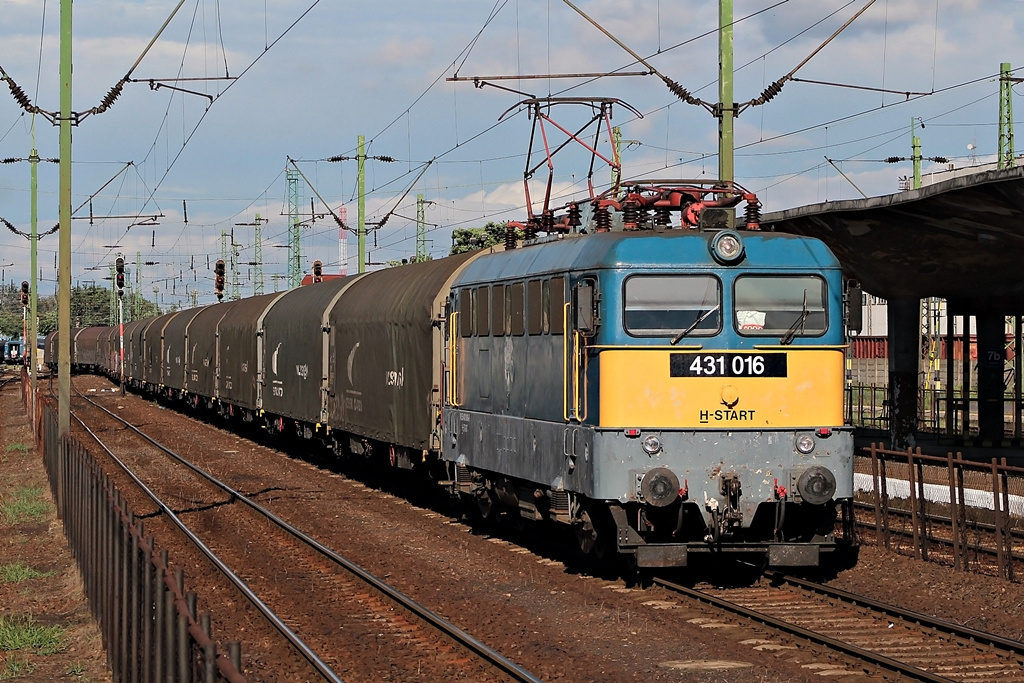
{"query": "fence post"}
[(148, 611), (997, 506), (169, 639), (962, 519), (877, 494), (209, 651), (912, 481), (184, 646), (884, 485), (117, 575), (136, 611), (158, 616), (922, 502), (954, 511), (1007, 536), (235, 654)]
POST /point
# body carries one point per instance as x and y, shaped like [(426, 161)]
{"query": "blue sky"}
[(379, 69)]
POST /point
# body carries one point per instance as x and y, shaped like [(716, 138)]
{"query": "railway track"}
[(882, 638), (340, 619)]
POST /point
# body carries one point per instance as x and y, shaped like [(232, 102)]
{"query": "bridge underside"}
[(961, 240)]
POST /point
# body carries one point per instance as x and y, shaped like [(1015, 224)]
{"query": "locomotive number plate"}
[(727, 365)]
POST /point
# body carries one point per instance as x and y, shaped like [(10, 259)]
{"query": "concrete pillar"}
[(904, 322), (991, 343)]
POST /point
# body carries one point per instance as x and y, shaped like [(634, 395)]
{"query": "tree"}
[(472, 239), (412, 259), (90, 306)]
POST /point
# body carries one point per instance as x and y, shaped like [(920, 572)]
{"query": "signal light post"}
[(119, 280), (218, 278), (24, 321), (318, 271)]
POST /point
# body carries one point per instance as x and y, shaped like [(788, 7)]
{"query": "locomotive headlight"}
[(816, 485), (727, 247), (651, 445), (804, 443)]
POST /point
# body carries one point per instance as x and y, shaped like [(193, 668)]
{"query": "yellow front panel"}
[(637, 390)]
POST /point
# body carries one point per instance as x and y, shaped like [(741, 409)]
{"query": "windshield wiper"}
[(693, 326), (798, 323)]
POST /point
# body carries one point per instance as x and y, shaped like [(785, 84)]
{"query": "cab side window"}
[(516, 308), (555, 309), (483, 312), (466, 312), (498, 311), (535, 307)]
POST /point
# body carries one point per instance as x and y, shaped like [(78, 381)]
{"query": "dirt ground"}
[(46, 630)]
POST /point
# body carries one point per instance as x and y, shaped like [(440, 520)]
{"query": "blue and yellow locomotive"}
[(666, 392)]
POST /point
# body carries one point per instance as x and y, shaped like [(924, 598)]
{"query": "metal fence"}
[(150, 628), (960, 511), (867, 405)]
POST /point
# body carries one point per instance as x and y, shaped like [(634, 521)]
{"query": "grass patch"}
[(75, 670), (16, 447), (17, 572), (16, 668), (23, 633), (24, 505)]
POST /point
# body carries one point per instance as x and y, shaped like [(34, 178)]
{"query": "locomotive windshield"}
[(790, 306), (662, 305)]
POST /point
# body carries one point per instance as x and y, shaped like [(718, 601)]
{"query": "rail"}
[(484, 652)]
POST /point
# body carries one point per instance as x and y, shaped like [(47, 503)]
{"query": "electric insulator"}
[(530, 231), (893, 160), (629, 217), (662, 216), (642, 218), (510, 237), (752, 214), (574, 216), (603, 219), (547, 221), (679, 91)]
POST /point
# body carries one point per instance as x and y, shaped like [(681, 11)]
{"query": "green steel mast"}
[(33, 280), (421, 230), (294, 228), (257, 287), (727, 108), (915, 154), (1006, 81), (361, 171), (64, 232), (235, 284)]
